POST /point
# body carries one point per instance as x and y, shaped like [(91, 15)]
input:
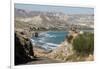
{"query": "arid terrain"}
[(28, 23)]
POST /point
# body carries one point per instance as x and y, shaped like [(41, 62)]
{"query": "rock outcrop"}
[(64, 50), (23, 48)]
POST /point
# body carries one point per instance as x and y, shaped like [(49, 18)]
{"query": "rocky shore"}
[(23, 48), (28, 24), (26, 53), (65, 51)]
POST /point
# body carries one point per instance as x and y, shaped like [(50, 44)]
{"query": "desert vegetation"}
[(84, 43)]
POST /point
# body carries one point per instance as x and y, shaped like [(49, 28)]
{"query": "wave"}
[(45, 45), (42, 33), (52, 44), (48, 40), (33, 41), (48, 35), (49, 46), (45, 34)]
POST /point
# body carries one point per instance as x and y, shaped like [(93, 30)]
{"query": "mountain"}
[(55, 20)]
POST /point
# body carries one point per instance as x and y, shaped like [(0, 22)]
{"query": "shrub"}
[(69, 39), (84, 43)]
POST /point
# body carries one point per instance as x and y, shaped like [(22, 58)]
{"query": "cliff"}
[(23, 48)]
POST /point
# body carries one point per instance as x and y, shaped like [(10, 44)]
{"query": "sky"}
[(48, 8)]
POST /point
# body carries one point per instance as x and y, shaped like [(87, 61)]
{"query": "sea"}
[(49, 40)]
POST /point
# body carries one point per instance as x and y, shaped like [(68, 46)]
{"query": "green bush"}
[(84, 43)]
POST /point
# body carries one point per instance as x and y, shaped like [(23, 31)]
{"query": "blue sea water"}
[(49, 40)]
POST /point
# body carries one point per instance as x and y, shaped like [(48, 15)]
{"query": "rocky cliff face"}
[(23, 48), (64, 50)]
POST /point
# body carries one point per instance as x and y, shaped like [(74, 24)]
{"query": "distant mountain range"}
[(49, 20)]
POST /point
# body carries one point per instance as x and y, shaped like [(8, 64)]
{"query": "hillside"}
[(52, 20)]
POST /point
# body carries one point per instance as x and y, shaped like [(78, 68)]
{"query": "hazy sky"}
[(64, 9)]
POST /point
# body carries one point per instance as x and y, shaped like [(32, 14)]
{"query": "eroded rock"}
[(23, 48)]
